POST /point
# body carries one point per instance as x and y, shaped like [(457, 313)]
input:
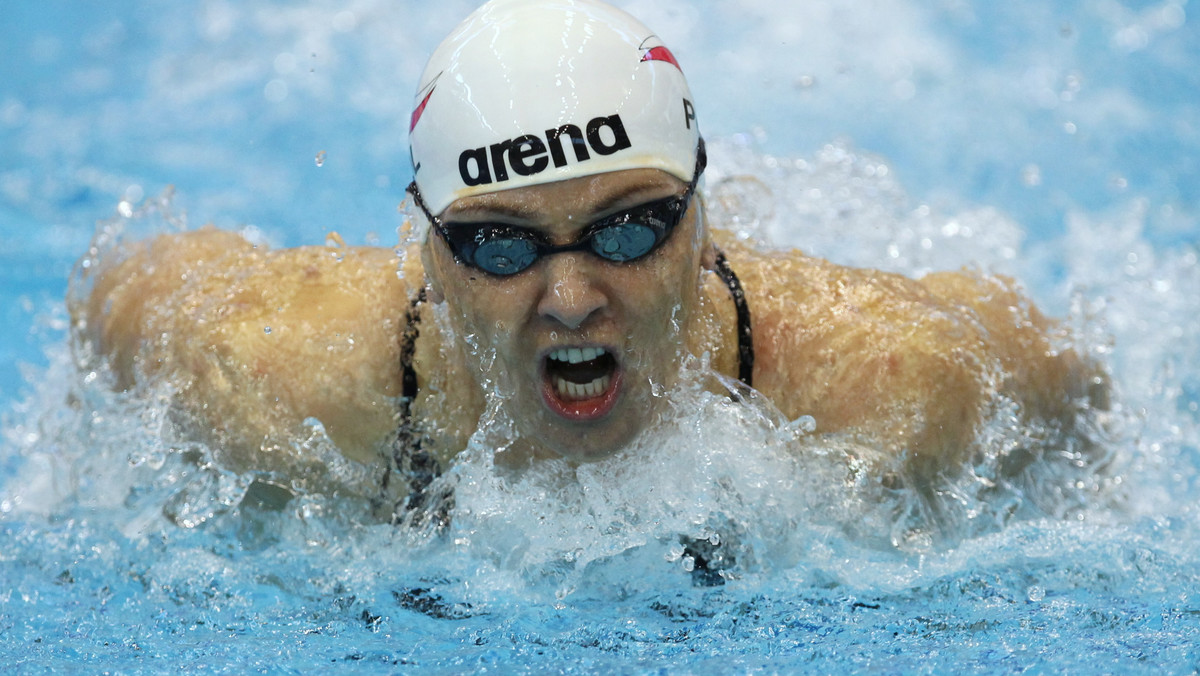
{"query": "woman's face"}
[(575, 344)]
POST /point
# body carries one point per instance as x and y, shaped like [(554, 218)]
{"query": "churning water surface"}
[(1046, 141)]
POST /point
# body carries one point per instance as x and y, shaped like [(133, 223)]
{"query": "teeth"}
[(570, 390), (575, 355), (579, 391)]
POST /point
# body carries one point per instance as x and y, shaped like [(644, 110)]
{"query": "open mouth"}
[(581, 383)]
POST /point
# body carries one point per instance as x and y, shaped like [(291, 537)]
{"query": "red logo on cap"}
[(657, 52), (420, 109)]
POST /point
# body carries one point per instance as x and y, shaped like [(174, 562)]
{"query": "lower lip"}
[(584, 410)]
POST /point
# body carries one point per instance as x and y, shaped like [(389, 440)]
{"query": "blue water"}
[(1056, 142)]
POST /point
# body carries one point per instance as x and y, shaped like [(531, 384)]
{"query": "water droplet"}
[(344, 22), (904, 89), (805, 424), (275, 91), (285, 62), (267, 330), (675, 551), (1031, 175), (1036, 593), (320, 159)]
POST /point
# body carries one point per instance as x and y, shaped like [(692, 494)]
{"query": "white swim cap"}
[(525, 92)]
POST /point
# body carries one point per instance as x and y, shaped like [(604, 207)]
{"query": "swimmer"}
[(563, 258)]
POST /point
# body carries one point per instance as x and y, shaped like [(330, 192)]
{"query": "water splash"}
[(730, 516), (722, 476)]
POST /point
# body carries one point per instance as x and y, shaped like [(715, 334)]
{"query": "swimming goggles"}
[(503, 250)]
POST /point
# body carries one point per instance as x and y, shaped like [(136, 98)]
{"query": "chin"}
[(587, 445)]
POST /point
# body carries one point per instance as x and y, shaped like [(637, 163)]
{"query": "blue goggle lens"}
[(624, 242), (506, 256), (503, 250)]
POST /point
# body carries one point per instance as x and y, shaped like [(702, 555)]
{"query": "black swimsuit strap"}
[(408, 347), (745, 334), (415, 464)]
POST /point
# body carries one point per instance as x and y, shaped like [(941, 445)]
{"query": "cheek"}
[(664, 301), (461, 297), (679, 282), (489, 313)]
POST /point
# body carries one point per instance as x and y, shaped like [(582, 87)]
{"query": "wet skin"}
[(633, 312), (910, 369)]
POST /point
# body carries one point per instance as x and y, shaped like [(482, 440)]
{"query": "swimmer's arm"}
[(909, 367), (255, 342), (871, 356), (1043, 372), (974, 352)]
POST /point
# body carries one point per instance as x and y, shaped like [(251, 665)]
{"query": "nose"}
[(571, 294)]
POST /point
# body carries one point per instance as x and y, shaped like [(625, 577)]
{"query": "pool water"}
[(1053, 142)]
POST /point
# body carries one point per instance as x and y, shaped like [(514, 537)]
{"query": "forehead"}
[(583, 195)]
